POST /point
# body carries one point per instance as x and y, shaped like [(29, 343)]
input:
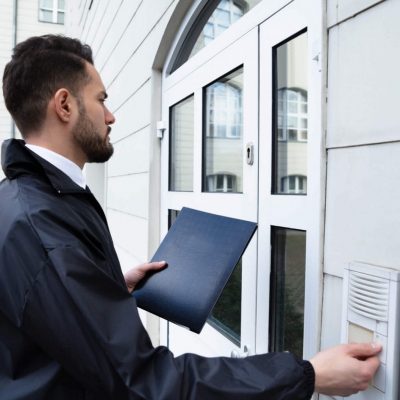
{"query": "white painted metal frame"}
[(291, 211), (240, 205), (282, 19)]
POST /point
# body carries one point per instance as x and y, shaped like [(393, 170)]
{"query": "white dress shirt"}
[(67, 166)]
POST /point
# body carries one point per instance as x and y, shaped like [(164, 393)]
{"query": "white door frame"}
[(277, 14), (243, 52), (291, 211)]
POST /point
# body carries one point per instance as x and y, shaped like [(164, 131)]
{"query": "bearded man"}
[(69, 327)]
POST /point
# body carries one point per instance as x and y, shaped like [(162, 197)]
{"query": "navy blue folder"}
[(201, 250)]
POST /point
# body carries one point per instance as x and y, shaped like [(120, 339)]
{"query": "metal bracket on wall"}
[(161, 127)]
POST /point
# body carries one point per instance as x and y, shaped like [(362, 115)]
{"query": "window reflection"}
[(226, 13), (214, 19), (226, 314), (290, 117), (222, 169), (181, 146), (287, 290)]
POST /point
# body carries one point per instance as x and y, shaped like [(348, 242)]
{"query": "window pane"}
[(61, 4), (226, 315), (60, 17), (287, 290), (45, 16), (290, 109), (46, 4), (172, 216), (213, 20), (181, 146), (223, 131)]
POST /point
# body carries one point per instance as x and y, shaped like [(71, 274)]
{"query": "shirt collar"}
[(64, 164)]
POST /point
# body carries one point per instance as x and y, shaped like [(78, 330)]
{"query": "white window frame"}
[(54, 10)]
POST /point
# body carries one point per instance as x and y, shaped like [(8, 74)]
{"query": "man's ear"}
[(64, 104)]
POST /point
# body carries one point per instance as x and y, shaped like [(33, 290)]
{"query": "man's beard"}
[(97, 149)]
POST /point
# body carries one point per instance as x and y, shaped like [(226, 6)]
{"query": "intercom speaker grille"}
[(369, 296)]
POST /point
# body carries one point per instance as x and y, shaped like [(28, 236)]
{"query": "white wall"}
[(6, 35), (124, 53), (363, 145), (125, 36), (28, 25)]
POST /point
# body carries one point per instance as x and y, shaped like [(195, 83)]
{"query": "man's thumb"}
[(364, 350)]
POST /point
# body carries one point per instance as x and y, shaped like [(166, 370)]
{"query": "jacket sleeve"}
[(86, 322)]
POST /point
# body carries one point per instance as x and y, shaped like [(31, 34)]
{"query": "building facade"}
[(280, 112), (20, 19)]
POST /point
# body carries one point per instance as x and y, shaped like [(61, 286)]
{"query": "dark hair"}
[(38, 68)]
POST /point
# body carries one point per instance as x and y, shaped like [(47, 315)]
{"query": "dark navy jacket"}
[(69, 329)]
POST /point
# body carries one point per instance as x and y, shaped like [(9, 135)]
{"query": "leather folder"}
[(201, 250)]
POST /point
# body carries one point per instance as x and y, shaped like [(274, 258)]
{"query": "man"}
[(69, 328)]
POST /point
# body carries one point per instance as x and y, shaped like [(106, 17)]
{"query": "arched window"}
[(214, 18)]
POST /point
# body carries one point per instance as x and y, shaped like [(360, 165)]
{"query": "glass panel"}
[(223, 134), (290, 111), (226, 315), (181, 146), (287, 290), (172, 216), (46, 4), (60, 17), (213, 20), (61, 4), (45, 16), (225, 14)]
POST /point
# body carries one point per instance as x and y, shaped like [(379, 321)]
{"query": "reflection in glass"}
[(290, 117), (226, 315), (287, 290), (181, 146), (172, 216), (222, 168), (213, 20)]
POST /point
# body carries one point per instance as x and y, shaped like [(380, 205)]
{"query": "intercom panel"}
[(371, 313)]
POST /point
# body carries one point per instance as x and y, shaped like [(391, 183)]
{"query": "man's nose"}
[(110, 119)]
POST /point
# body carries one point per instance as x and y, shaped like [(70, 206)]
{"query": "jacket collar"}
[(18, 160)]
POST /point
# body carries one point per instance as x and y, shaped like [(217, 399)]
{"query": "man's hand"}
[(135, 275), (346, 369)]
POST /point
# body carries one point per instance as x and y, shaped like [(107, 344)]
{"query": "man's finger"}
[(372, 363), (155, 265), (364, 349)]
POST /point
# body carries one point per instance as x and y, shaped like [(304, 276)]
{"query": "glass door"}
[(244, 139), (210, 163), (291, 169)]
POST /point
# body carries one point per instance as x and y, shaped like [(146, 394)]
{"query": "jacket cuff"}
[(309, 378)]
